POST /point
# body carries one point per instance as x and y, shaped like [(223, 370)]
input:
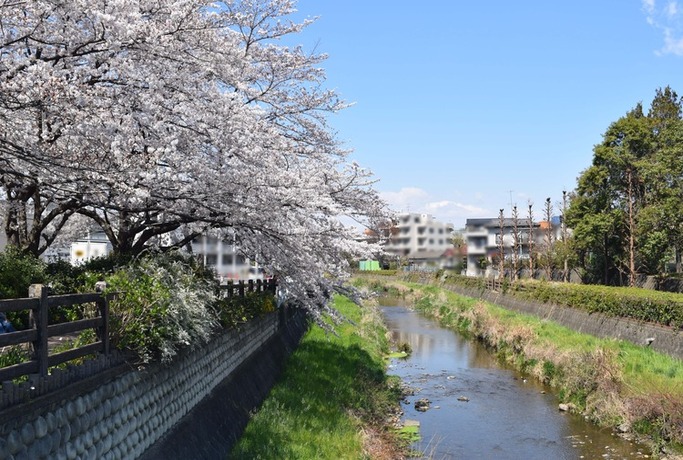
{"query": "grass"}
[(333, 399), (410, 433), (612, 382)]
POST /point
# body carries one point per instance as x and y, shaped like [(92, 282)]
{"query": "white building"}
[(416, 234), (224, 257), (95, 244), (482, 237)]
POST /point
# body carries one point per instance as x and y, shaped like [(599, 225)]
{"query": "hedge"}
[(664, 308)]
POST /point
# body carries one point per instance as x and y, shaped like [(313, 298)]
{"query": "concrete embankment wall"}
[(125, 416), (666, 340)]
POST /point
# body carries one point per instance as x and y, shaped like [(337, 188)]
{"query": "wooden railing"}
[(241, 288), (37, 335), (494, 284)]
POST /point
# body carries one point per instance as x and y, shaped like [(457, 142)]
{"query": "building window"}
[(211, 259)]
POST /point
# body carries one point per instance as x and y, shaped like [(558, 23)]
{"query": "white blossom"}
[(177, 117)]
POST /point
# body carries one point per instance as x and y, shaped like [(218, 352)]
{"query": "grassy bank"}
[(613, 383), (334, 398)]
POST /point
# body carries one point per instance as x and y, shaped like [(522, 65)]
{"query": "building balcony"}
[(476, 250), (476, 232)]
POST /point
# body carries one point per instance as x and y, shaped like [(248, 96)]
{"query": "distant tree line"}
[(626, 211), (625, 217)]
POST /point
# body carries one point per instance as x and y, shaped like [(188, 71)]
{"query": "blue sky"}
[(461, 107)]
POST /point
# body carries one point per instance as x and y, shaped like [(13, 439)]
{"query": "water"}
[(505, 417)]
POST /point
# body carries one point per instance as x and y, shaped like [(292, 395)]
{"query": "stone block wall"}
[(121, 418), (663, 339)]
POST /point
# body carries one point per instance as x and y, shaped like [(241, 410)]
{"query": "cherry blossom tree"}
[(175, 118)]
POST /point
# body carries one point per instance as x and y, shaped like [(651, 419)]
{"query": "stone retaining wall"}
[(660, 338), (122, 417)]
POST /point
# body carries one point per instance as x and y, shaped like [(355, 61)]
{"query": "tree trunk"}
[(605, 262), (631, 231)]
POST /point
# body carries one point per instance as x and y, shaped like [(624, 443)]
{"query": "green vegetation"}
[(665, 308), (236, 310), (613, 383), (625, 213), (13, 355), (17, 272), (333, 399), (165, 301), (409, 434), (161, 306)]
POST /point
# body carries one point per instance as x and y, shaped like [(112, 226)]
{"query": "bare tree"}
[(548, 240), (530, 225), (515, 243)]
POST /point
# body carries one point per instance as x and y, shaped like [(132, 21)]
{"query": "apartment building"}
[(225, 257), (419, 235)]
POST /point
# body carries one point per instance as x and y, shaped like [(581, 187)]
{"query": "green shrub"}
[(9, 356), (162, 306), (466, 281), (64, 278), (235, 310), (642, 304), (17, 272), (665, 308)]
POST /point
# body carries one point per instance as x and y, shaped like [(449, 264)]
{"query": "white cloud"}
[(405, 200), (649, 6), (672, 10), (438, 204), (672, 44), (667, 20), (417, 200)]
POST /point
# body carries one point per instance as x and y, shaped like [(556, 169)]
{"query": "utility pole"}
[(565, 273), (501, 247)]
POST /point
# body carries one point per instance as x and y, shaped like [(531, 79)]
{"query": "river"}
[(480, 409)]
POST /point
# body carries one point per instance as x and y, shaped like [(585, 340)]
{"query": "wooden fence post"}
[(103, 331), (250, 285), (39, 322), (241, 288)]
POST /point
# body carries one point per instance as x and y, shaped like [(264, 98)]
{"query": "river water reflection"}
[(505, 416)]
